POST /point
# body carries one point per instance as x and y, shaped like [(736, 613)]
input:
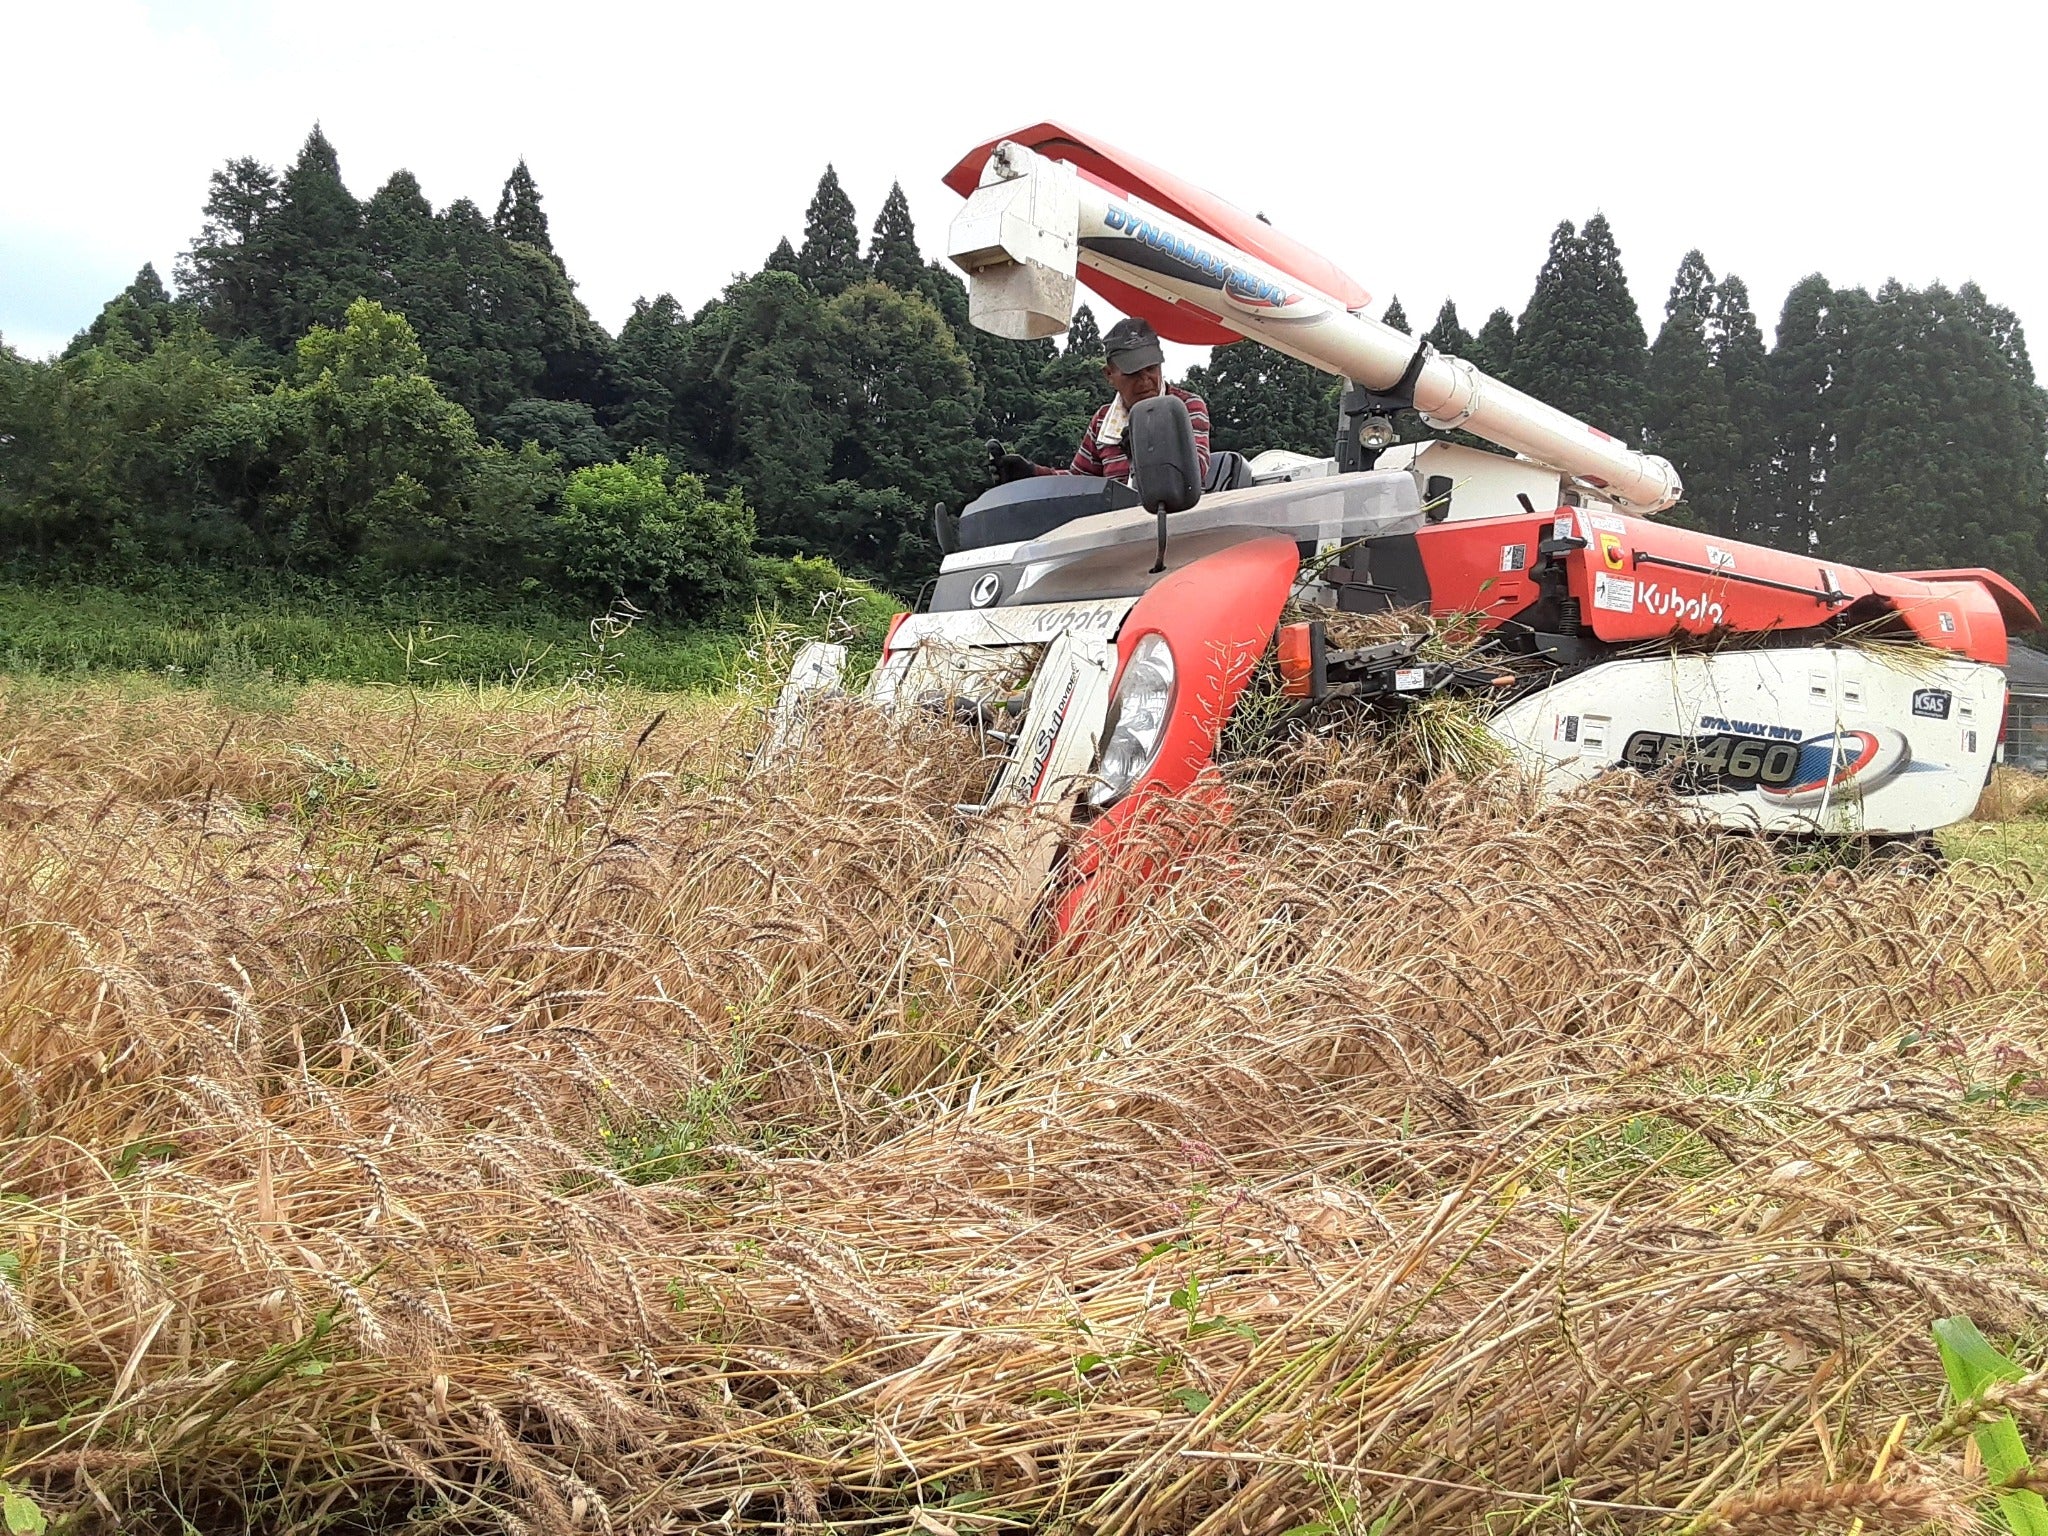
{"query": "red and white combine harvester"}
[(1100, 634)]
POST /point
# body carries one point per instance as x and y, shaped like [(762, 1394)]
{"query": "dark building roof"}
[(2026, 671)]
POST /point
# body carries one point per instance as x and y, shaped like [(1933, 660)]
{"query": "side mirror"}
[(1166, 472)]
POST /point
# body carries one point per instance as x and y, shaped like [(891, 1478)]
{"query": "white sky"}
[(1428, 148)]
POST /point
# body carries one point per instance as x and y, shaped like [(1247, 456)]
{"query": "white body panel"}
[(817, 670), (1281, 466), (1026, 624), (976, 653), (1065, 652), (1482, 484), (1062, 730), (1836, 740)]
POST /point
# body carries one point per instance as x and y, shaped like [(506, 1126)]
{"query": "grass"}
[(494, 1110), (2010, 828), (189, 637), (2023, 843)]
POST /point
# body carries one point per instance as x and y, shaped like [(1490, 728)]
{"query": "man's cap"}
[(1131, 345)]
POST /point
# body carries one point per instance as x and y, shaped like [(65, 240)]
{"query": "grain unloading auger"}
[(1100, 635)]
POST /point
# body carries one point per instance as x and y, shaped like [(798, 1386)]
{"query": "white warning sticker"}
[(1605, 522), (1616, 594), (1514, 557), (1409, 680), (1720, 559)]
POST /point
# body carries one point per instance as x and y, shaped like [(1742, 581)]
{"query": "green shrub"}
[(637, 532)]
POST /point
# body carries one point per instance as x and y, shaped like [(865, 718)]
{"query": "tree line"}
[(373, 392), (1898, 431)]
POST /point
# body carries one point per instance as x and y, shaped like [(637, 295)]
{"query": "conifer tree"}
[(398, 235), (519, 216), (1084, 335), (892, 254), (829, 259), (1446, 335), (1260, 399), (1493, 349), (136, 320), (1940, 442), (653, 369), (227, 270), (1623, 345), (148, 290), (1065, 395), (1008, 374), (1687, 418), (906, 402), (1397, 317), (1809, 371), (782, 258), (1006, 371), (313, 247), (1744, 367), (1579, 345), (1693, 288), (1999, 325)]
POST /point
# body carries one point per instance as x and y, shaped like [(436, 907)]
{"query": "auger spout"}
[(1035, 222)]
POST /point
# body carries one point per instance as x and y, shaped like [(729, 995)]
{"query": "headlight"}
[(1137, 719)]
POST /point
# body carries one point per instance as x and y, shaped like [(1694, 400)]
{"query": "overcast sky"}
[(1427, 148)]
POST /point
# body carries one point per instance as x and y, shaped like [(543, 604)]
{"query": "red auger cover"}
[(1129, 176), (1639, 581)]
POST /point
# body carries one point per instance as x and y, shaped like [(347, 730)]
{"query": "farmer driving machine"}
[(1100, 635)]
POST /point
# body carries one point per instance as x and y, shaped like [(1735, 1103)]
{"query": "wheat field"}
[(448, 1112)]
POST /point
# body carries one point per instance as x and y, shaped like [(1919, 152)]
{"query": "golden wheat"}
[(463, 1113)]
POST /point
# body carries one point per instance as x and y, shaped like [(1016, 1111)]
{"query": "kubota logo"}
[(986, 590)]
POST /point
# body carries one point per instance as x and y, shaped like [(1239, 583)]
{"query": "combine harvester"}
[(1100, 635)]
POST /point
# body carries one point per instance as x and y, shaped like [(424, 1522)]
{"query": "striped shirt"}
[(1112, 460)]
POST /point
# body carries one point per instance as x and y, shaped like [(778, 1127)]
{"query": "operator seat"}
[(1227, 472)]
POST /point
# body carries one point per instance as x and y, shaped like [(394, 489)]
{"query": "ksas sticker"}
[(1932, 703)]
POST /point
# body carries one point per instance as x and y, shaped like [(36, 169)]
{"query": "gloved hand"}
[(1014, 466)]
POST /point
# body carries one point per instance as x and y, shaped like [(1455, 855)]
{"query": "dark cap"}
[(1132, 345)]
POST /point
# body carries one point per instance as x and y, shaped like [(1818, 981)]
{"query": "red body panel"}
[(1116, 171), (1639, 581), (1217, 617), (1471, 564), (2014, 607)]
